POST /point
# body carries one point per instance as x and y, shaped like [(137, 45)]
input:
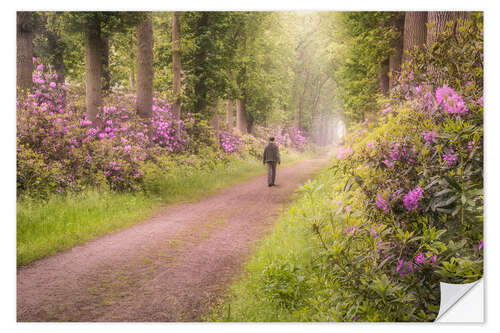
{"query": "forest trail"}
[(169, 268)]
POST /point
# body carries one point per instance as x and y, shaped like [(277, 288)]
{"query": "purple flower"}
[(53, 84), (451, 101), (470, 145), (400, 265), (39, 67), (450, 158), (369, 144), (344, 152), (388, 163), (429, 136), (419, 259), (351, 230), (480, 245), (373, 231), (410, 200), (381, 203), (394, 152), (387, 109)]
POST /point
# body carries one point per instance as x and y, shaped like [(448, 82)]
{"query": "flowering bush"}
[(290, 137), (230, 142), (402, 208), (59, 149)]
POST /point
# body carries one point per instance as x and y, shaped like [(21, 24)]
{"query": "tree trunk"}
[(397, 23), (106, 74), (132, 63), (24, 59), (176, 68), (230, 114), (300, 113), (383, 77), (415, 32), (145, 67), (437, 23), (132, 78), (93, 68), (241, 119), (214, 120)]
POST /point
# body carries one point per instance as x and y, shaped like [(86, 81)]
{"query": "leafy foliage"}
[(398, 212)]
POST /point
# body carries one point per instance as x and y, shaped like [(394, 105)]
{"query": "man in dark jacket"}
[(271, 157)]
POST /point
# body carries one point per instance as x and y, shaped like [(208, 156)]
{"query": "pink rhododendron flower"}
[(344, 152), (429, 136), (451, 159), (382, 203), (410, 200), (451, 101), (387, 109)]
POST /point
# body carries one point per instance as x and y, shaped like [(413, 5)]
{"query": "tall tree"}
[(230, 114), (397, 26), (415, 32), (93, 66), (241, 118), (366, 42), (106, 71), (24, 40), (145, 67), (437, 22), (383, 77), (176, 66)]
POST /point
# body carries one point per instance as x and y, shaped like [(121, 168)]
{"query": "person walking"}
[(271, 156)]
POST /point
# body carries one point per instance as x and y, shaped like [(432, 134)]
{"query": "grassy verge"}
[(44, 228), (272, 287)]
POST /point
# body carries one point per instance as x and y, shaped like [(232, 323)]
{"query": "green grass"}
[(289, 243), (44, 228)]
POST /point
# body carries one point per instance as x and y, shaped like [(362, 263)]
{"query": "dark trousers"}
[(271, 172)]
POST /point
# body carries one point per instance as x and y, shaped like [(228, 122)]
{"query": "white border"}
[(7, 132)]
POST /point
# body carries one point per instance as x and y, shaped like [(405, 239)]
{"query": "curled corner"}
[(461, 303)]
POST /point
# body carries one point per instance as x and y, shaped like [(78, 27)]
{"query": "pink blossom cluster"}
[(404, 267), (401, 152), (450, 158), (451, 101), (115, 143), (428, 258), (382, 203), (230, 142), (351, 230), (410, 200), (429, 136), (344, 152)]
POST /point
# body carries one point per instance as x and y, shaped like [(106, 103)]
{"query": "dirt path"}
[(168, 268)]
